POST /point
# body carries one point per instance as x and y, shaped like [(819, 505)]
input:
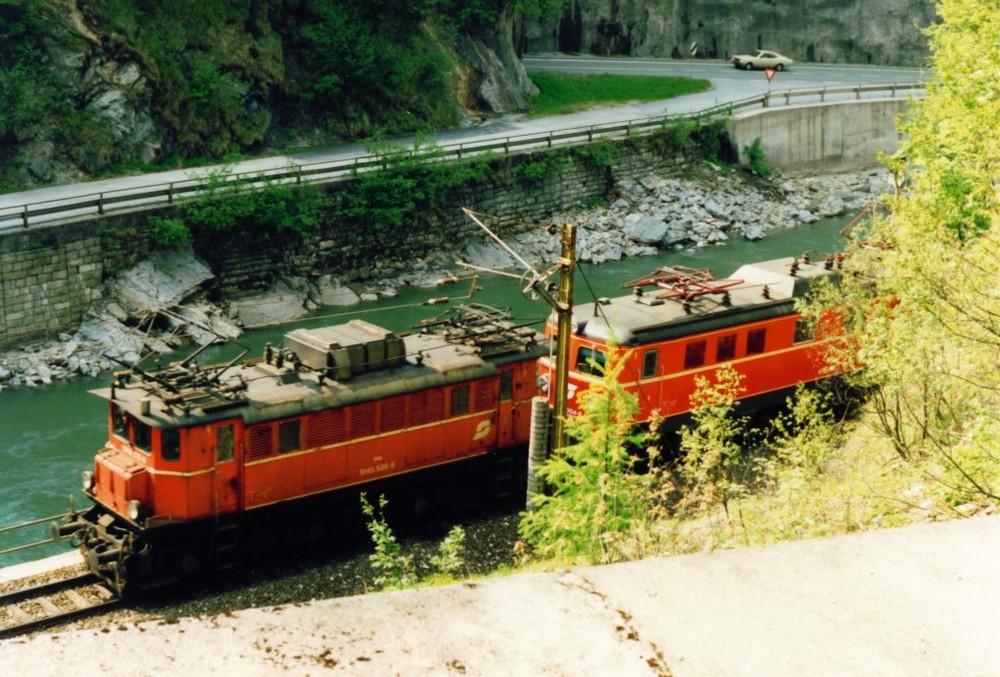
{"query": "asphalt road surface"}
[(728, 84)]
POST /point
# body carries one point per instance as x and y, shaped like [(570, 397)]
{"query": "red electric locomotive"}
[(204, 467), (681, 323)]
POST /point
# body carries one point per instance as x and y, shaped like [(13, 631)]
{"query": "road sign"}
[(694, 48), (769, 73)]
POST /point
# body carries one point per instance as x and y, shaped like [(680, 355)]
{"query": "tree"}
[(598, 508), (931, 340)]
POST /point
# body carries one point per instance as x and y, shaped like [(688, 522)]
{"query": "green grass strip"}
[(565, 93)]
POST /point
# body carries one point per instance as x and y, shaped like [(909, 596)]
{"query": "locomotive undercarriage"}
[(130, 557)]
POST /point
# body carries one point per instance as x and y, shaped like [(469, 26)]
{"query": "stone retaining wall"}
[(49, 275)]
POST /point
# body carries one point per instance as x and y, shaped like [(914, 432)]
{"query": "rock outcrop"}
[(103, 100), (850, 31)]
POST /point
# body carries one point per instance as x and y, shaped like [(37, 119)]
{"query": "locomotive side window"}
[(755, 341), (459, 400), (224, 443), (650, 361), (288, 436), (725, 348), (590, 361), (170, 445), (694, 354), (506, 385), (804, 330), (142, 436), (119, 421)]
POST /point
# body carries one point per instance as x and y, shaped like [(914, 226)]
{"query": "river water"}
[(49, 435)]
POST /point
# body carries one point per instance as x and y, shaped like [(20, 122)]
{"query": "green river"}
[(49, 435)]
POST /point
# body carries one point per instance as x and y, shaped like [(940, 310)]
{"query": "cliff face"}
[(90, 86), (838, 31)]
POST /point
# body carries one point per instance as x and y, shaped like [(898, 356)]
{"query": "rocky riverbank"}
[(162, 303)]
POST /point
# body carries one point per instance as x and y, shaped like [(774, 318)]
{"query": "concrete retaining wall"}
[(820, 138)]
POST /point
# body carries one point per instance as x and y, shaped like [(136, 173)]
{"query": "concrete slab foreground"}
[(921, 600)]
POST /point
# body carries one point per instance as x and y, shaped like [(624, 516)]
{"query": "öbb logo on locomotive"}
[(206, 466)]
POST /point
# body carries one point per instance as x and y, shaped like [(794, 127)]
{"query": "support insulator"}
[(538, 444)]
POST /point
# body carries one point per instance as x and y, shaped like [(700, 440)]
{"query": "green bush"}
[(537, 166), (756, 159), (169, 233), (599, 154), (449, 560), (28, 94), (394, 570), (711, 446)]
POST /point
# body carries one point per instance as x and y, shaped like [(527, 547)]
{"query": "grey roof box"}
[(346, 350)]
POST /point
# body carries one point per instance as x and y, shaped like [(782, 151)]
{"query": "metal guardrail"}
[(157, 194)]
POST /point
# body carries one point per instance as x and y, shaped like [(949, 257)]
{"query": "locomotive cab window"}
[(591, 361), (755, 341), (650, 360), (142, 436), (506, 385), (224, 446), (119, 422), (694, 354), (170, 444), (459, 400)]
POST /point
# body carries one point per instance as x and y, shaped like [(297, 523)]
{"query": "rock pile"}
[(160, 304), (665, 213)]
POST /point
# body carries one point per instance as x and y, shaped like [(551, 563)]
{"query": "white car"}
[(762, 59)]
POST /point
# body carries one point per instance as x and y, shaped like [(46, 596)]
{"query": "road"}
[(728, 84)]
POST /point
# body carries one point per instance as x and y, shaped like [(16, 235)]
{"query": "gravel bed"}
[(489, 546)]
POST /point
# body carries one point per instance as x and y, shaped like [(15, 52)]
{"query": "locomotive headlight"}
[(87, 480), (134, 509)]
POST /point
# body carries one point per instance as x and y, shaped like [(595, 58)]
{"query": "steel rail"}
[(46, 588), (325, 171), (43, 590)]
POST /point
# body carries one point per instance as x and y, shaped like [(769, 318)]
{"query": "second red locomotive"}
[(681, 323)]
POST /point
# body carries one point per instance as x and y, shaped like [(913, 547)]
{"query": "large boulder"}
[(282, 303), (161, 282), (644, 228), (331, 292)]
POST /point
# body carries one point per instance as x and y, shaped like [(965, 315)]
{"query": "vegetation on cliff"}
[(105, 83)]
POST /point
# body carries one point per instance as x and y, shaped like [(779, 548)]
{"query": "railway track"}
[(53, 603)]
